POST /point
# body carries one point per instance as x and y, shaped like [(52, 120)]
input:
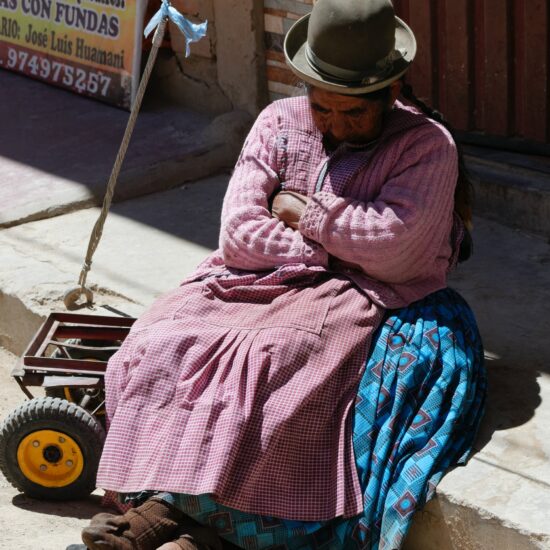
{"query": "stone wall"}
[(191, 82), (279, 16), (240, 64), (226, 70)]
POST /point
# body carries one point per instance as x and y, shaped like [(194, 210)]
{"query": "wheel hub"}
[(50, 458), (52, 454)]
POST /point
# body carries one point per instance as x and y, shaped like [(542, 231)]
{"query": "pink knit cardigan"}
[(388, 226)]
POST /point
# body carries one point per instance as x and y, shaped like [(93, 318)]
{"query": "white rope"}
[(73, 296)]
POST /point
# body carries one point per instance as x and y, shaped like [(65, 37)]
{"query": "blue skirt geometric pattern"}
[(417, 412)]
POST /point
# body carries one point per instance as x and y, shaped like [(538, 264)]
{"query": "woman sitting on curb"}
[(309, 385)]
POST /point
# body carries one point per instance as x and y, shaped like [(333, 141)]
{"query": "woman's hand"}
[(288, 207)]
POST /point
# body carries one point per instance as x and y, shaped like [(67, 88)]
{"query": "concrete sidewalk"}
[(500, 500), (511, 188), (57, 149), (149, 244)]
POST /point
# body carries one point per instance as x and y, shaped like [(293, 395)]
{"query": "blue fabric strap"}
[(193, 32)]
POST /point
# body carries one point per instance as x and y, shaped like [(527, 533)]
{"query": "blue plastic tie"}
[(193, 32)]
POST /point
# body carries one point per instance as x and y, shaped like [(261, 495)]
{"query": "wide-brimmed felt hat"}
[(350, 46)]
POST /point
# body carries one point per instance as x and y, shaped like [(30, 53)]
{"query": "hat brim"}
[(295, 54)]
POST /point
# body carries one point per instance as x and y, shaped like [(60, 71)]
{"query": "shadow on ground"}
[(507, 284), (512, 399), (79, 509), (58, 149), (76, 138)]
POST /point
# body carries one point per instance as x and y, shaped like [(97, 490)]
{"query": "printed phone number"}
[(77, 78)]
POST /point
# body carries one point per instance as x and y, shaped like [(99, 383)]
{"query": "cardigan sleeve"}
[(250, 238), (397, 236)]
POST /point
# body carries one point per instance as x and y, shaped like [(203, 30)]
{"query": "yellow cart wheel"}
[(50, 458), (50, 449)]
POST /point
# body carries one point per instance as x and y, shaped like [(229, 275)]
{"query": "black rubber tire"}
[(46, 413), (55, 392), (77, 394)]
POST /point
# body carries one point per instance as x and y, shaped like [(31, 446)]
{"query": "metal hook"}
[(72, 297)]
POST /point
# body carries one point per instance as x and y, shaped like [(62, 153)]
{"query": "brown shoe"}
[(143, 528)]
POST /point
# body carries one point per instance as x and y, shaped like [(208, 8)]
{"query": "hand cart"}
[(50, 446)]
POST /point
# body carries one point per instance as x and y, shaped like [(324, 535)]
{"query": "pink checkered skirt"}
[(242, 386)]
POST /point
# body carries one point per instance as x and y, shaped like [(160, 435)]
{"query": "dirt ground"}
[(27, 524)]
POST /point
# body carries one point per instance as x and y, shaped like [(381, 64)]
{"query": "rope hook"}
[(72, 297)]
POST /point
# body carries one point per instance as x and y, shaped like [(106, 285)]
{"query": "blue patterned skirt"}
[(416, 415)]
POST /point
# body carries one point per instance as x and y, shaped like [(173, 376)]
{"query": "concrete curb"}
[(515, 196), (445, 524), (175, 229)]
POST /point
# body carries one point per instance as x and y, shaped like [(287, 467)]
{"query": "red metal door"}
[(484, 63)]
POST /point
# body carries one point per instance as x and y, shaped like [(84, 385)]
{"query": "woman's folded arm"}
[(392, 237), (250, 238)]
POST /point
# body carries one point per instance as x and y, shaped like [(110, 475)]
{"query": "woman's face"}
[(345, 118)]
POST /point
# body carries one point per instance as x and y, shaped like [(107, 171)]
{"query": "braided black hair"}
[(464, 190)]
